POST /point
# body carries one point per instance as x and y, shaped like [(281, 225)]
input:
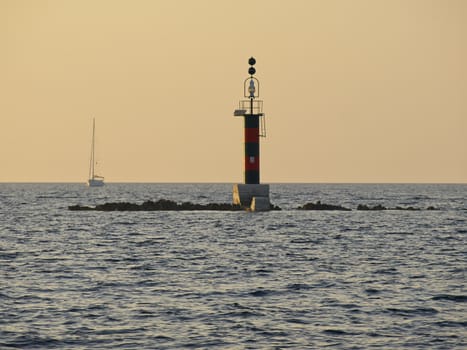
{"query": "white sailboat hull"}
[(95, 182)]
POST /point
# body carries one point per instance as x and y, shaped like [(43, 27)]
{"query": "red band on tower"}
[(251, 135)]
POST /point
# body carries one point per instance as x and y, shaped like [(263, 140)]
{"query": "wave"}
[(420, 311), (451, 297)]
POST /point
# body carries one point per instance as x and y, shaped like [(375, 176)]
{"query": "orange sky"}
[(353, 91)]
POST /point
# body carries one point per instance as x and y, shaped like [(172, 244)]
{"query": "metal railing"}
[(248, 104)]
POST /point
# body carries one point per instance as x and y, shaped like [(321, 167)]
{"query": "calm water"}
[(233, 280)]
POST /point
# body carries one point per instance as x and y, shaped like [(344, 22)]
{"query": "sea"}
[(289, 279)]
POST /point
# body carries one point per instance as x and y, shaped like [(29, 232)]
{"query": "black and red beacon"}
[(252, 195)]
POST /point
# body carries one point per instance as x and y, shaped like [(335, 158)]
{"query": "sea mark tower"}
[(252, 194)]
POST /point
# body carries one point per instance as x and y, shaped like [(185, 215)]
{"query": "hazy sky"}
[(353, 91)]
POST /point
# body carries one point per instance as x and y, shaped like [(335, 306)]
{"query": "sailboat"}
[(94, 179)]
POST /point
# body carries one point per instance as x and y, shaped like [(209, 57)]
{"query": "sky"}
[(353, 91)]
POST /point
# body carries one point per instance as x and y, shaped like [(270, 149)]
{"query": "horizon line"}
[(234, 182)]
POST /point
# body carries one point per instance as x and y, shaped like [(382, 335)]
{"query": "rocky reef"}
[(169, 205), (381, 207), (322, 206), (161, 204), (366, 207)]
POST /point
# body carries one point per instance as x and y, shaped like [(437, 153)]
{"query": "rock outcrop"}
[(161, 204), (322, 206), (381, 207)]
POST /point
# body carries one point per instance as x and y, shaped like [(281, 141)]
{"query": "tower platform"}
[(254, 197)]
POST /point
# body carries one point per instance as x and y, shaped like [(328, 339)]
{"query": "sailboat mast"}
[(91, 164)]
